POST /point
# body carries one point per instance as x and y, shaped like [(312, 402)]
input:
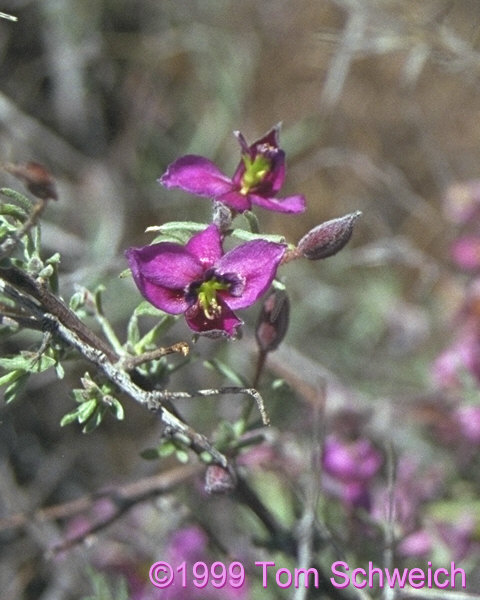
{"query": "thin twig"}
[(131, 362), (124, 499), (252, 392), (157, 484)]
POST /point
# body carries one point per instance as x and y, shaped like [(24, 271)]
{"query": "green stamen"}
[(207, 297), (255, 171)]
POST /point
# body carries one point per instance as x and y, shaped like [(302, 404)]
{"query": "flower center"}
[(207, 297), (255, 171)]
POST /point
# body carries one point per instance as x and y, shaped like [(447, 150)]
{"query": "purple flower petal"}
[(291, 204), (196, 175), (225, 322), (269, 139), (243, 143), (171, 301), (165, 264), (206, 246), (154, 277), (236, 201), (257, 263)]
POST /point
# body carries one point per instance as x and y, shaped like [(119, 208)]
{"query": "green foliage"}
[(180, 232), (94, 402), (226, 371), (166, 448), (18, 369), (103, 589)]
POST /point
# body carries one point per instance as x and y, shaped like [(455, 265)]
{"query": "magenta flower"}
[(349, 467), (202, 282), (258, 177)]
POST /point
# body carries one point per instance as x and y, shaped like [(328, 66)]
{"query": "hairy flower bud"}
[(272, 322), (328, 238), (219, 480)]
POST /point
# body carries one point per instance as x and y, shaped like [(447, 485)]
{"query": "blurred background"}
[(380, 106)]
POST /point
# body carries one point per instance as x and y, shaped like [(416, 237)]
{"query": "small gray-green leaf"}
[(19, 198), (166, 449), (28, 361), (10, 377), (115, 407), (248, 236), (86, 410), (147, 309), (182, 456), (12, 390), (69, 418), (150, 454), (12, 210), (95, 420)]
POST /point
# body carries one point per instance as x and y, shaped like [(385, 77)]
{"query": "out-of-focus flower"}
[(468, 419), (349, 466), (416, 544), (257, 179), (466, 252), (462, 355), (403, 503), (464, 352), (454, 537), (190, 545), (356, 460), (458, 536), (202, 282)]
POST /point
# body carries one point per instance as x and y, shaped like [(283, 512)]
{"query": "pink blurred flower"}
[(348, 467), (351, 461), (463, 355), (468, 419), (413, 488), (466, 252), (191, 545), (418, 543)]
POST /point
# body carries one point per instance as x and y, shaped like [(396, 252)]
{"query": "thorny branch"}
[(56, 318), (41, 309)]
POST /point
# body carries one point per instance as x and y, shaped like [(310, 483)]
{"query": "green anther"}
[(207, 297), (255, 171)]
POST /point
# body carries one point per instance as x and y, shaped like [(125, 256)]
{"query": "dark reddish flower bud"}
[(36, 178), (219, 480), (328, 238), (272, 322)]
